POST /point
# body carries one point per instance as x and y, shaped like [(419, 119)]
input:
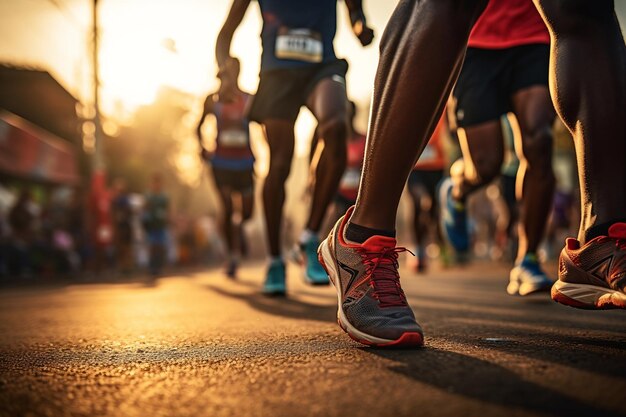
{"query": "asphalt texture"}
[(200, 344)]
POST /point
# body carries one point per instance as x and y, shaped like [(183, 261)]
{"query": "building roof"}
[(37, 96)]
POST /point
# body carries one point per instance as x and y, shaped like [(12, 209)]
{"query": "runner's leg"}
[(328, 103), (483, 152), (409, 97), (247, 208), (280, 138), (226, 219), (535, 115), (591, 100)]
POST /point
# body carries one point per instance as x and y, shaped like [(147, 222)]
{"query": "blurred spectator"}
[(6, 202), (100, 224), (122, 214), (185, 241), (22, 220), (76, 226), (57, 243), (155, 222)]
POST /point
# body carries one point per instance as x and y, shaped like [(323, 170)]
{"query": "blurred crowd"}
[(65, 233), (113, 232)]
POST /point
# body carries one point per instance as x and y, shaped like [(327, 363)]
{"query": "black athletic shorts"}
[(429, 179), (241, 180), (283, 91), (490, 77)]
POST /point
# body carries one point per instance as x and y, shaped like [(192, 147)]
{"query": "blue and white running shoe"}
[(275, 279), (314, 272), (453, 219), (527, 278)]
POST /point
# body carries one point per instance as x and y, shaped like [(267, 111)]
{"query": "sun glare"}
[(134, 65), (143, 49)]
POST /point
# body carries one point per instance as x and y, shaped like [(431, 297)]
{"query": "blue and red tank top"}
[(232, 148), (297, 33)]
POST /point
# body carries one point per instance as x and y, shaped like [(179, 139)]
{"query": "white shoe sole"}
[(587, 296)]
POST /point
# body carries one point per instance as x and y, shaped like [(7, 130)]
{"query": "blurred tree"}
[(160, 138)]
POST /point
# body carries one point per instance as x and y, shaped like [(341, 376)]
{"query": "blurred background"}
[(97, 96), (155, 65)]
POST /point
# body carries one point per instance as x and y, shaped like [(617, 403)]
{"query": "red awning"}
[(29, 152)]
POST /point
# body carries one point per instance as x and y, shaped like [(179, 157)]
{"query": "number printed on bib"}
[(299, 44), (234, 138)]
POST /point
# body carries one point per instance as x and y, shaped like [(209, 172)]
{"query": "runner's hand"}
[(364, 33), (367, 36)]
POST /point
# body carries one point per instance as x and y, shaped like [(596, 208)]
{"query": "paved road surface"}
[(200, 345)]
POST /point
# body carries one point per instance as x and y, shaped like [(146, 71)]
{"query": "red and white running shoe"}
[(593, 276)]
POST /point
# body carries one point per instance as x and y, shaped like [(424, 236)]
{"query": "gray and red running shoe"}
[(593, 276), (372, 307)]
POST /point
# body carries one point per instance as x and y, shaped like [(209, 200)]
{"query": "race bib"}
[(234, 138), (350, 179), (299, 44)]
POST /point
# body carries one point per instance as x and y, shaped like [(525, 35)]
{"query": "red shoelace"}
[(382, 271)]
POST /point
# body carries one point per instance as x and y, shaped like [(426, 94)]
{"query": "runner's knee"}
[(334, 131), (537, 149), (279, 167)]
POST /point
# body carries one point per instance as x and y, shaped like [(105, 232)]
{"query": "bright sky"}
[(149, 43)]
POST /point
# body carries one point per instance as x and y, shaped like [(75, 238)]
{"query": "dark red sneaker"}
[(593, 276)]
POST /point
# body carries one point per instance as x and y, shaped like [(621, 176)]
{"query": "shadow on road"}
[(597, 348), (139, 278), (484, 381), (281, 306)]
